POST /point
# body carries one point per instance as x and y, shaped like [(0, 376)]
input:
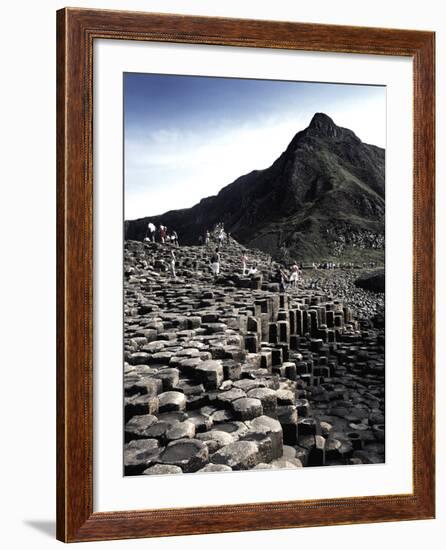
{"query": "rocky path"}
[(227, 373)]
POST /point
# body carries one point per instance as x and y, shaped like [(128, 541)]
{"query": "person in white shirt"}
[(150, 233), (253, 270), (294, 278)]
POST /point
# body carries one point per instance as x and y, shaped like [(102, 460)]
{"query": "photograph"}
[(253, 274)]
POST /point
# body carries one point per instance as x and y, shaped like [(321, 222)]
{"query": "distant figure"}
[(150, 233), (221, 236), (314, 284), (174, 238), (294, 278), (207, 238), (215, 262), (163, 233), (281, 279), (200, 240), (253, 270), (244, 259), (172, 264)]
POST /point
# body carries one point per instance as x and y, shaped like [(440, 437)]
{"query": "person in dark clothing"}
[(281, 278)]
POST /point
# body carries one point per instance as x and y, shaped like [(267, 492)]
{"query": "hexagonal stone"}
[(333, 448), (137, 427), (216, 468), (287, 416), (188, 388), (222, 416), (169, 378), (140, 404), (188, 366), (317, 453), (235, 428), (302, 455), (202, 422), (189, 454), (285, 397), (272, 429), (159, 430), (241, 455), (172, 417), (162, 469), (145, 370), (308, 426), (268, 399), (161, 357), (326, 428), (303, 407), (247, 384), (172, 401), (181, 430), (215, 439), (247, 408), (264, 444), (142, 385), (231, 369), (139, 358), (189, 352), (154, 347), (210, 373), (225, 398), (139, 455)]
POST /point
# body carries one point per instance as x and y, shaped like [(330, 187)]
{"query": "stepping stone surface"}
[(229, 373)]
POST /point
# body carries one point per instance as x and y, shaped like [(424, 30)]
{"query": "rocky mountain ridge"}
[(324, 197)]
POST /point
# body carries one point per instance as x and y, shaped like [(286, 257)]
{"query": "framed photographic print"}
[(245, 275)]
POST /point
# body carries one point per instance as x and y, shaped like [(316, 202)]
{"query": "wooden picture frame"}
[(76, 31)]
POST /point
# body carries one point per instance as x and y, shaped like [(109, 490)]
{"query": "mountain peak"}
[(322, 125)]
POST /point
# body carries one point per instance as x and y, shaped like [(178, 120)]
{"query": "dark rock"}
[(374, 281)]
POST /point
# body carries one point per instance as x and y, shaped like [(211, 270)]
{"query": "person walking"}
[(221, 237), (150, 233), (295, 273), (163, 233), (281, 279), (172, 264), (244, 259), (215, 262)]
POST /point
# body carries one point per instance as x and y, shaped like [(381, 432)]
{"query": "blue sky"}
[(186, 137)]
